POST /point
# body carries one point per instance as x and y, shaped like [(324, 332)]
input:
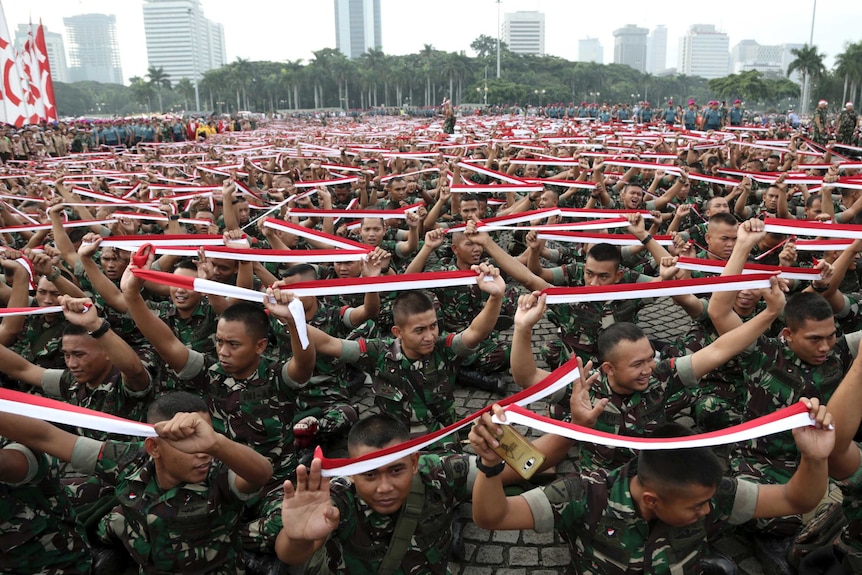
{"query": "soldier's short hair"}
[(471, 198), (805, 306), (377, 431), (694, 466), (168, 405), (186, 264), (605, 253), (811, 199), (409, 303), (614, 334), (725, 218), (251, 315), (300, 270), (72, 329)]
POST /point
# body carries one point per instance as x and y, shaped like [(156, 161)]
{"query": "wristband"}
[(55, 273), (173, 218), (490, 471), (647, 239), (822, 289), (101, 330)]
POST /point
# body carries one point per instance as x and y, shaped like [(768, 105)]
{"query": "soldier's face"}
[(629, 366), (308, 301), (371, 231), (683, 505), (85, 359), (114, 263), (173, 466), (418, 333), (223, 270), (347, 269), (183, 299), (631, 197), (720, 239), (466, 251), (47, 294), (385, 489), (469, 209), (598, 273), (812, 341), (238, 352)]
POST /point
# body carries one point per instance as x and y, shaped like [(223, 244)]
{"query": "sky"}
[(290, 29)]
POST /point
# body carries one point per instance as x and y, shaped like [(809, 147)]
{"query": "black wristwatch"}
[(490, 471), (101, 330)]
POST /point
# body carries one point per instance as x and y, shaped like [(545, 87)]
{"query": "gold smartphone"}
[(518, 452)]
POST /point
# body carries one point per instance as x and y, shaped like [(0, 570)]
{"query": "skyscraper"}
[(770, 60), (55, 47), (630, 46), (181, 40), (704, 52), (590, 50), (524, 32), (357, 26), (93, 50), (657, 50)]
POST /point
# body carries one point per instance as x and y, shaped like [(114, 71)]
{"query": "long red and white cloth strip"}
[(491, 173), (595, 213), (564, 183), (132, 243), (556, 380), (37, 407), (823, 245), (613, 239), (784, 419), (328, 239), (315, 183), (607, 224), (69, 224), (806, 228), (225, 290), (520, 217), (655, 289), (344, 286), (262, 255), (309, 213), (495, 188), (716, 267), (10, 311)]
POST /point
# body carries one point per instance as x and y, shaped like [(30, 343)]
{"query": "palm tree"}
[(809, 63), (158, 78), (186, 90), (141, 91), (848, 64)]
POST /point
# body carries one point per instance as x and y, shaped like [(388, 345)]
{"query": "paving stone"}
[(528, 556), (555, 556), (532, 538), (510, 537), (490, 554)]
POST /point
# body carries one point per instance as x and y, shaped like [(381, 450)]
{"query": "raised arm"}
[(721, 303), (299, 367), (483, 324), (511, 266), (106, 288), (845, 405), (531, 308)]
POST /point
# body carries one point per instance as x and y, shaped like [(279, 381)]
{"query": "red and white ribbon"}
[(817, 229), (495, 188), (261, 255), (607, 224), (613, 239), (585, 213), (328, 239), (10, 311), (655, 289), (716, 267), (132, 243), (822, 245), (784, 419)]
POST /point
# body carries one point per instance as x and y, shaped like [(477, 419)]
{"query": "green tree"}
[(158, 79), (809, 63)]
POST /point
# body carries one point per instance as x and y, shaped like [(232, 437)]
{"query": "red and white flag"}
[(13, 109), (45, 82)]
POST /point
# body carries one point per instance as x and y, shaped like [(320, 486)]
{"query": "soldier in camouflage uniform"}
[(820, 122), (179, 508), (413, 373), (251, 399), (636, 393), (102, 371), (653, 515), (38, 530), (326, 408), (368, 508), (848, 120), (372, 233)]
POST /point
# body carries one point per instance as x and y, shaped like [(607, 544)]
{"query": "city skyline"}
[(263, 31)]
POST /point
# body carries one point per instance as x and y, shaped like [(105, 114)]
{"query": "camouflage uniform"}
[(40, 341), (847, 121), (121, 323), (459, 305), (417, 392), (851, 538), (636, 414), (110, 396), (775, 378), (257, 411), (598, 517), (38, 531), (330, 391), (362, 537), (580, 324), (820, 136), (197, 333), (190, 528)]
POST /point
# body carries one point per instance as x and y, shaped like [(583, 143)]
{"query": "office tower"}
[(524, 32), (657, 50), (93, 50), (181, 40), (704, 52), (590, 50), (630, 46), (771, 60), (357, 26)]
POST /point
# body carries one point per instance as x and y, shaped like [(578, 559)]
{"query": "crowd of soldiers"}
[(105, 253)]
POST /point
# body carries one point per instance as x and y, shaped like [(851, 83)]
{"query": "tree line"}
[(423, 79)]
